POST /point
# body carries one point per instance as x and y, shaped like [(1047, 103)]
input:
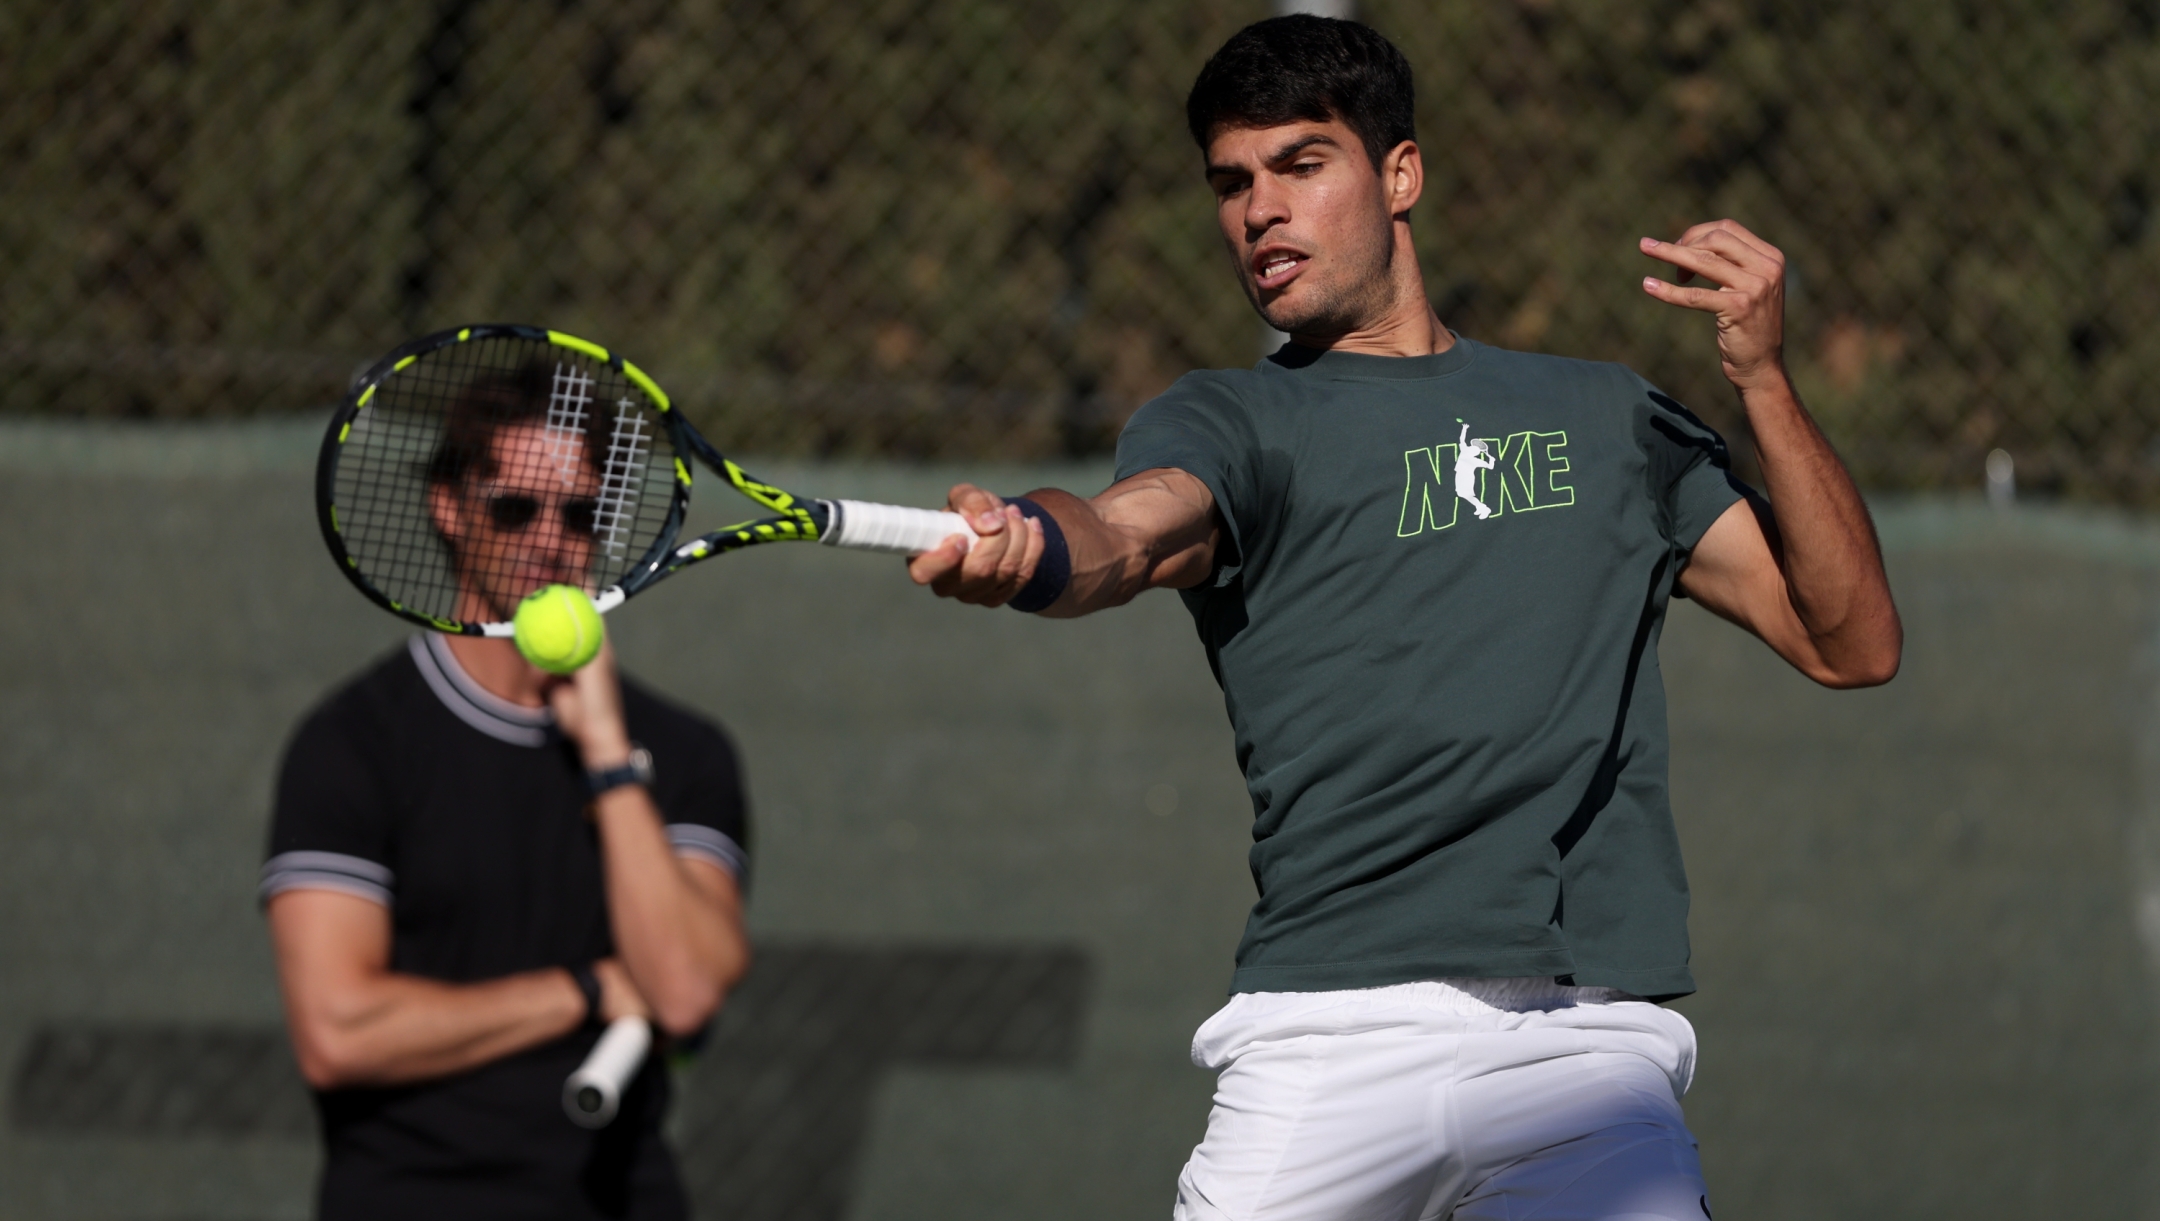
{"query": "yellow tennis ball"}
[(557, 629)]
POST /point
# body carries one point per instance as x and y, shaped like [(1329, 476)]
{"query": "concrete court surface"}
[(1923, 990)]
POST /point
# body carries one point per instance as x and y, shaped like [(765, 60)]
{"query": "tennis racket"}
[(594, 1092), (473, 466)]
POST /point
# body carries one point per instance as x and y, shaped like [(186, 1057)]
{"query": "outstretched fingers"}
[(1712, 265), (1733, 229), (1719, 257), (1729, 238), (1748, 297), (1687, 298)]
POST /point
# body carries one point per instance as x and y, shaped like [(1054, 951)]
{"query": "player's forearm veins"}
[(1155, 530)]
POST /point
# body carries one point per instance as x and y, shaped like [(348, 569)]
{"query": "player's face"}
[(1308, 225), (529, 524)]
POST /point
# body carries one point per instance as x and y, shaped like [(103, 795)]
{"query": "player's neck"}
[(495, 663), (1418, 334), (1409, 327)]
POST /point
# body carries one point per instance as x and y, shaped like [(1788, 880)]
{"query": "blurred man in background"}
[(1430, 576), (475, 865)]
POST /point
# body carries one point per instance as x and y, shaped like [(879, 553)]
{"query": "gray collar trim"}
[(472, 703)]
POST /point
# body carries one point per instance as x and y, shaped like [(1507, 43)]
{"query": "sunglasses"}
[(514, 511)]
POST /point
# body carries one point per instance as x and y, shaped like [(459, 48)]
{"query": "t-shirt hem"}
[(1656, 983), (1385, 972)]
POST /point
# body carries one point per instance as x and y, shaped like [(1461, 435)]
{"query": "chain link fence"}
[(923, 229)]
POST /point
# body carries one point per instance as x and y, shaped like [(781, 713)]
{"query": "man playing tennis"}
[(473, 866), (1452, 724)]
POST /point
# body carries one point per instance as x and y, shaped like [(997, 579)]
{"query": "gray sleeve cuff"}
[(352, 875), (696, 840)]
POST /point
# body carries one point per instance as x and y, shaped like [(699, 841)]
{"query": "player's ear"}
[(1402, 176)]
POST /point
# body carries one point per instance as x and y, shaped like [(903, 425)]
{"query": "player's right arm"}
[(354, 1021), (1158, 529)]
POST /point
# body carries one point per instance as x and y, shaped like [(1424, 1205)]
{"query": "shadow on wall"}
[(775, 1106)]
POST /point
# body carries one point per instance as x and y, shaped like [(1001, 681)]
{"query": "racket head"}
[(472, 466)]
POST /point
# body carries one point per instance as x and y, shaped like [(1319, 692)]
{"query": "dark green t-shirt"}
[(1440, 659)]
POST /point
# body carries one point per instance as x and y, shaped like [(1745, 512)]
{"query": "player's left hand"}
[(588, 710), (1749, 299)]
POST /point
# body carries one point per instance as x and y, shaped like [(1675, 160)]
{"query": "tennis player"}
[(474, 865), (1430, 576)]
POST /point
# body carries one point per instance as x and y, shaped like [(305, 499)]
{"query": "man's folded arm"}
[(354, 1021)]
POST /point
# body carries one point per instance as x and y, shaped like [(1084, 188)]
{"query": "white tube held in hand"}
[(594, 1092), (864, 526)]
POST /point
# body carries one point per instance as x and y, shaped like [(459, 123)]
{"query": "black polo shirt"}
[(464, 814)]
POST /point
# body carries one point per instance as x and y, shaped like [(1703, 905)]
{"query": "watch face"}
[(639, 770)]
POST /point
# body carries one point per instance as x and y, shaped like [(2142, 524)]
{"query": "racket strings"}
[(487, 468)]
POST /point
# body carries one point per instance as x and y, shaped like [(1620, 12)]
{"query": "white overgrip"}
[(594, 1092), (867, 526)]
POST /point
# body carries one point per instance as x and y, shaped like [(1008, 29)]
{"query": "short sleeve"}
[(1689, 468), (697, 783), (330, 828), (1198, 426)]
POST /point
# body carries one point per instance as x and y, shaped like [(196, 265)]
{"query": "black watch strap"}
[(588, 982), (638, 770)]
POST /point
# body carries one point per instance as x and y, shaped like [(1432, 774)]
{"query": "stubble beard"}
[(1348, 302)]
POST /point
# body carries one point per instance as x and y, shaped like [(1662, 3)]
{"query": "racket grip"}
[(594, 1092), (865, 526)]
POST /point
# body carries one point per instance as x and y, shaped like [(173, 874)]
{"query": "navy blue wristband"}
[(1053, 572)]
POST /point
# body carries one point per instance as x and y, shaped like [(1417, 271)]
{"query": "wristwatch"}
[(638, 770)]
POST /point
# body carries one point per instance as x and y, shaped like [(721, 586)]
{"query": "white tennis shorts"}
[(1492, 1099)]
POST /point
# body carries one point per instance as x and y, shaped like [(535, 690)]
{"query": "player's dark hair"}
[(1307, 68), (520, 396)]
